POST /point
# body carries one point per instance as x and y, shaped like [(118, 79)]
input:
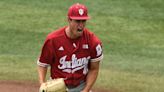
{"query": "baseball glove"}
[(55, 85)]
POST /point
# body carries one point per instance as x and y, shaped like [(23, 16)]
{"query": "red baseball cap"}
[(78, 12)]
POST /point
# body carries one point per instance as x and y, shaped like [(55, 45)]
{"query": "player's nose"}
[(81, 23)]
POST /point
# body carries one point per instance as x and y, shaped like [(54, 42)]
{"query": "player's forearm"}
[(42, 71), (91, 78)]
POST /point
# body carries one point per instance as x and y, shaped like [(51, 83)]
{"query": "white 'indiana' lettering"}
[(73, 65)]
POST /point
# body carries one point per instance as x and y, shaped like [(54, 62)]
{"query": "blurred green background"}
[(132, 32)]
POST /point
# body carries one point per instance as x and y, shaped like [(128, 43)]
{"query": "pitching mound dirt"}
[(26, 86)]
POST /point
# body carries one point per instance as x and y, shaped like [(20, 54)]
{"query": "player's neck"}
[(69, 34)]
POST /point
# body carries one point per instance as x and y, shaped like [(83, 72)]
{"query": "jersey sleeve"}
[(46, 56), (96, 49)]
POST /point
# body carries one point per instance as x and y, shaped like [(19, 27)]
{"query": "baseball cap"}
[(78, 12)]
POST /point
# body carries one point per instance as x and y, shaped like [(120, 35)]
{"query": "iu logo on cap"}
[(81, 11)]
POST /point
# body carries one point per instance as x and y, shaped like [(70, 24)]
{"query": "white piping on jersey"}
[(42, 64), (97, 59)]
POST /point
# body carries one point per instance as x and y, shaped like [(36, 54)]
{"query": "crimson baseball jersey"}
[(70, 58)]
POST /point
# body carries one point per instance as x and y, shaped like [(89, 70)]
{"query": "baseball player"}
[(72, 52)]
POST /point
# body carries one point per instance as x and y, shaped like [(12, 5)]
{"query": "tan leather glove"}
[(55, 85)]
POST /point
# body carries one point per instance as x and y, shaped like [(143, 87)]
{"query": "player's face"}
[(77, 27)]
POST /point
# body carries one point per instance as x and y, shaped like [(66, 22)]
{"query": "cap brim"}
[(80, 18)]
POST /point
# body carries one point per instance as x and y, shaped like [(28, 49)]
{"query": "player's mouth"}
[(79, 30)]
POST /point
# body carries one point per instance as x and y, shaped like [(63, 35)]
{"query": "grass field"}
[(132, 33)]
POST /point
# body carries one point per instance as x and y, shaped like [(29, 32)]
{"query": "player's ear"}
[(69, 20)]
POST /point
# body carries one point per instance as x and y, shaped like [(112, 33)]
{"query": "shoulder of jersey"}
[(56, 33), (88, 32), (92, 36)]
